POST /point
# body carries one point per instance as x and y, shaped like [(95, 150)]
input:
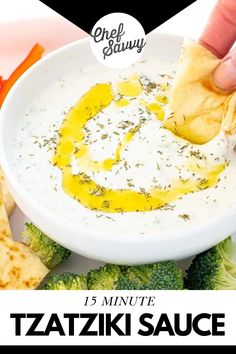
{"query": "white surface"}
[(11, 10)]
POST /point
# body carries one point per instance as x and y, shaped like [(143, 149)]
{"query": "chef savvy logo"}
[(117, 40)]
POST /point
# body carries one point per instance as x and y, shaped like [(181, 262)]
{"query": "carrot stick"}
[(1, 82), (5, 85)]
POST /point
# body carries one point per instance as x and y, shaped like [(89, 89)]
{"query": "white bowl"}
[(94, 244)]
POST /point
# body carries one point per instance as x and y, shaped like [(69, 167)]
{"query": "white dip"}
[(154, 156)]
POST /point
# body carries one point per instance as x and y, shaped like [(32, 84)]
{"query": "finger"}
[(220, 31), (225, 73)]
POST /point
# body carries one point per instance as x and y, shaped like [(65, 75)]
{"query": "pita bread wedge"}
[(199, 108), (4, 222), (20, 268), (7, 198)]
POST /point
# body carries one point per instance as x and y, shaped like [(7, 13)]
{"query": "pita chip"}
[(199, 108), (20, 268), (7, 198), (4, 222)]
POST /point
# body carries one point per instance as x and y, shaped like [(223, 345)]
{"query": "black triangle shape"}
[(150, 14)]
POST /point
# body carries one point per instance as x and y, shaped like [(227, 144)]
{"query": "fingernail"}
[(225, 75)]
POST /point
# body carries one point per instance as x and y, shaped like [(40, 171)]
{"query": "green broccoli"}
[(158, 276), (162, 275), (213, 269), (104, 278), (65, 281), (50, 252)]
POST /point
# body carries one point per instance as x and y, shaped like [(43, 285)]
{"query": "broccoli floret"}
[(158, 276), (104, 278), (66, 281), (162, 275), (213, 269), (50, 252)]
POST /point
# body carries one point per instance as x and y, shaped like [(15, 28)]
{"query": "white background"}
[(189, 22), (11, 10)]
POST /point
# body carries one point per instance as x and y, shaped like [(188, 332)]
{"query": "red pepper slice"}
[(5, 85)]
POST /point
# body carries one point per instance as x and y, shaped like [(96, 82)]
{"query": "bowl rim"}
[(47, 216)]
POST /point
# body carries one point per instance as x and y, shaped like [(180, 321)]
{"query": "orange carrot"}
[(1, 82), (5, 85)]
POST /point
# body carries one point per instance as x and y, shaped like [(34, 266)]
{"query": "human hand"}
[(219, 35)]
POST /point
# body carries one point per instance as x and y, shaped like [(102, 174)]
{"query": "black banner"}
[(150, 14)]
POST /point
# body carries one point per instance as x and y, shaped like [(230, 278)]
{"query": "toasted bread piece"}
[(7, 198), (20, 268), (4, 223), (199, 108)]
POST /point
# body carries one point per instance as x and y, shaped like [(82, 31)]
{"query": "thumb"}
[(225, 73)]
